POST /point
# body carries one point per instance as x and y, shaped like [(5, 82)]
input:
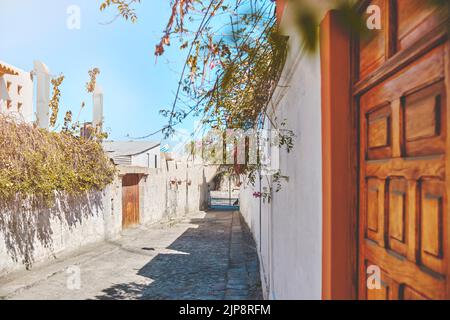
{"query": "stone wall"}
[(28, 237)]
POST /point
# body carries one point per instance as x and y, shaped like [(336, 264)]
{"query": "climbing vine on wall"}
[(234, 59)]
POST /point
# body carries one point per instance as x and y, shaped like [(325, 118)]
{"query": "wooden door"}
[(401, 92), (130, 200)]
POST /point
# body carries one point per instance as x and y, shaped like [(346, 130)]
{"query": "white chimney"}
[(97, 117), (42, 94)]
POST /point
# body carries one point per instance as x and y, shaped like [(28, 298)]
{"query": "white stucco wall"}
[(39, 235), (288, 230), (162, 199), (147, 159), (28, 237)]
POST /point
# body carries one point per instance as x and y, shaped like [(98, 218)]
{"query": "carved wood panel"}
[(404, 147)]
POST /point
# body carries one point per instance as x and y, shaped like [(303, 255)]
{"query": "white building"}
[(26, 95), (145, 154), (16, 92)]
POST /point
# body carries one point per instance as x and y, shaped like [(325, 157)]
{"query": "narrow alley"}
[(203, 256)]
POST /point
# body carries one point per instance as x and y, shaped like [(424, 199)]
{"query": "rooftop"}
[(129, 148), (7, 69)]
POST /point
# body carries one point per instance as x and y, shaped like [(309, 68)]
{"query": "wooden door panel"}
[(405, 199), (130, 200), (403, 24), (398, 216), (404, 147), (431, 225), (375, 210), (425, 125), (416, 19), (379, 132), (427, 69)]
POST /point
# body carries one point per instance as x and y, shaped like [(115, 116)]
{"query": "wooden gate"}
[(402, 96), (130, 200)]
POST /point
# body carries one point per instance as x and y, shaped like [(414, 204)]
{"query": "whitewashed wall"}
[(288, 230), (31, 236), (162, 199), (28, 237), (147, 159)]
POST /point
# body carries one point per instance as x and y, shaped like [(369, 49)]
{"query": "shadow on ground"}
[(196, 267)]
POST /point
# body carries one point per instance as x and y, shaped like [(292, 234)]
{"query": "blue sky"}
[(135, 87)]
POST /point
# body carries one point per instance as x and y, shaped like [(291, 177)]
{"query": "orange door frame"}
[(339, 162)]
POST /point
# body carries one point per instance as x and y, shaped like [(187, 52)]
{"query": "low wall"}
[(174, 190), (31, 236)]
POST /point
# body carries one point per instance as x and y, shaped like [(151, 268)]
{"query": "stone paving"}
[(202, 257)]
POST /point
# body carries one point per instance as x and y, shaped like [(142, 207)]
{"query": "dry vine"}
[(36, 163)]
